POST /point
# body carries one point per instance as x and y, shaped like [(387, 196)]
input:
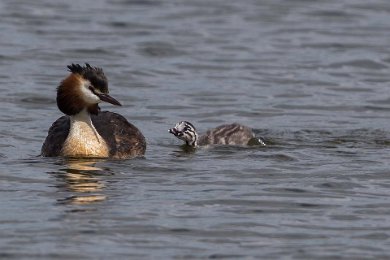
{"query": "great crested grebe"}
[(85, 131), (233, 134)]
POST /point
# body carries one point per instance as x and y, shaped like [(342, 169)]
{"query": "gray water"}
[(310, 77)]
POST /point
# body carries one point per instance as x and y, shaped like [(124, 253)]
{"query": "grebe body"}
[(85, 131)]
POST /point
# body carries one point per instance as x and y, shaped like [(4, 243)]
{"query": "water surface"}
[(310, 77)]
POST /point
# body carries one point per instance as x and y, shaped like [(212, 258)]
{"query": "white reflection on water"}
[(82, 179)]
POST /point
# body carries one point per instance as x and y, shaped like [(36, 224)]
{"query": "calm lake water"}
[(311, 77)]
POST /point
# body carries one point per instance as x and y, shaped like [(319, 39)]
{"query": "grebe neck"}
[(83, 139)]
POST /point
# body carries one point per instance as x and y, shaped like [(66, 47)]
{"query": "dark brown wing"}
[(56, 137), (123, 138)]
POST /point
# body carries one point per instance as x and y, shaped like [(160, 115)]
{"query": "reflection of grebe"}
[(85, 131), (82, 179)]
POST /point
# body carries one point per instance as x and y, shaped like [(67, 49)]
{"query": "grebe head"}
[(85, 87), (185, 131)]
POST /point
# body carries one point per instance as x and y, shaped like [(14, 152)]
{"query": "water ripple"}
[(310, 77)]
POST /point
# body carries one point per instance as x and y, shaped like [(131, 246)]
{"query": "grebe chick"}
[(84, 131), (233, 134)]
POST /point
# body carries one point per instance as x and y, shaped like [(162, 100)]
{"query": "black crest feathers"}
[(94, 74), (77, 68)]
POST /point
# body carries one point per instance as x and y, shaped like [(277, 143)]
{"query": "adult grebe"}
[(85, 131), (233, 134)]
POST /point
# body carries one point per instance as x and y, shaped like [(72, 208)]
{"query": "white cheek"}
[(187, 137), (87, 94)]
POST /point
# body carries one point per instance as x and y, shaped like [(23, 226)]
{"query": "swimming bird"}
[(231, 134), (85, 131)]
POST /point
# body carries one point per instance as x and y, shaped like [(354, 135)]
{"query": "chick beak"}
[(108, 98), (172, 131)]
